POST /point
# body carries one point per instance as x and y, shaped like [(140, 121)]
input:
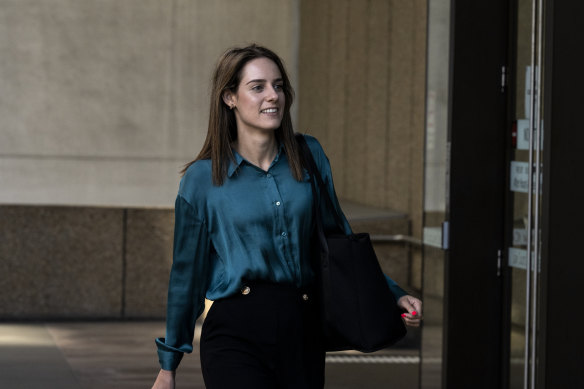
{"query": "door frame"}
[(477, 136), (475, 308), (561, 341)]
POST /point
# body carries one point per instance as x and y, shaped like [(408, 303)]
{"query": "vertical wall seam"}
[(346, 110), (367, 196), (124, 263), (295, 61), (328, 61), (172, 78), (387, 183), (411, 120), (415, 112)]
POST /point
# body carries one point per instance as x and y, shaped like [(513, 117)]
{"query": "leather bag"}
[(359, 311)]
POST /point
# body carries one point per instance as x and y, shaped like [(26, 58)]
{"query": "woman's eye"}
[(257, 88), (278, 87)]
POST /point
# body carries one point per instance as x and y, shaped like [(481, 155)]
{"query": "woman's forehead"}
[(260, 69)]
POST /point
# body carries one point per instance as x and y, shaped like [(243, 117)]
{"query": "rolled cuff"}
[(397, 292), (395, 289), (169, 357)]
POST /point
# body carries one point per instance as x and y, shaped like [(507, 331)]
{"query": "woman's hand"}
[(413, 308), (165, 380)]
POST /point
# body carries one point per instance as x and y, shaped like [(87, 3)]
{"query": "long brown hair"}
[(222, 130)]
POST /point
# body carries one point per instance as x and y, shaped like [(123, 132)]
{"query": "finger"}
[(406, 304), (410, 317), (418, 305), (413, 314), (412, 322)]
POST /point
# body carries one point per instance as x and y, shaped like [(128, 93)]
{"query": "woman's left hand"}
[(413, 307)]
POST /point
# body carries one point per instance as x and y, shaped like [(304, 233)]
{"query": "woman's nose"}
[(272, 94)]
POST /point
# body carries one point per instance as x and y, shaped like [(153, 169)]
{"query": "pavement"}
[(122, 355)]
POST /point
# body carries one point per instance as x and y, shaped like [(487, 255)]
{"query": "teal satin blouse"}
[(256, 226)]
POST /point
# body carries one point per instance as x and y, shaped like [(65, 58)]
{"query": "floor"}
[(122, 355)]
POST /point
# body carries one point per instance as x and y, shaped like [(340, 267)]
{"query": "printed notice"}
[(523, 134), (518, 258), (519, 237), (519, 176), (433, 236), (527, 107)]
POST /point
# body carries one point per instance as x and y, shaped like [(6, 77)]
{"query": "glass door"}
[(524, 210), (435, 192)]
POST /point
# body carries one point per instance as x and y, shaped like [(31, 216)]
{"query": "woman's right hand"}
[(165, 380)]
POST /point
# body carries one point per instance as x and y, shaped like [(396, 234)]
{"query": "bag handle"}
[(320, 263)]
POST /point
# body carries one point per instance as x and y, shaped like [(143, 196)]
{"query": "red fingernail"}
[(403, 315), (414, 313)]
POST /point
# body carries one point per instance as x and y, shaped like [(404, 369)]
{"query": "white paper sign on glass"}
[(432, 236), (523, 134), (518, 258), (528, 93), (519, 237), (519, 176)]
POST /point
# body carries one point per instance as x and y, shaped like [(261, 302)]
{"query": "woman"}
[(243, 219)]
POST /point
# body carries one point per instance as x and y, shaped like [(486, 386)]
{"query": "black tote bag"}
[(359, 311)]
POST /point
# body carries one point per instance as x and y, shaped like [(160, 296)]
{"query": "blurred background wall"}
[(362, 84), (102, 102)]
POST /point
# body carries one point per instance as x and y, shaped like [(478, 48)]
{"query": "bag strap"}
[(320, 263), (316, 178)]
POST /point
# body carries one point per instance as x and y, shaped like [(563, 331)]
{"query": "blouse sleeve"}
[(187, 286), (324, 167)]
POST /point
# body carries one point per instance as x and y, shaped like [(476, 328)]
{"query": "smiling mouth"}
[(269, 110)]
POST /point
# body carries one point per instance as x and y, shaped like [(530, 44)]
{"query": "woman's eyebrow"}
[(262, 80)]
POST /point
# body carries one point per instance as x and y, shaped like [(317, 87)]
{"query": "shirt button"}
[(268, 175), (305, 297), (284, 234), (278, 203)]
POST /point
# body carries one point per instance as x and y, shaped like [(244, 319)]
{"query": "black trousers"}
[(268, 338)]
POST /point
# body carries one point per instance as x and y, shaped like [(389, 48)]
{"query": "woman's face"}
[(259, 100)]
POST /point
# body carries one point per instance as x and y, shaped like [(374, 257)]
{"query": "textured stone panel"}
[(60, 262), (148, 261)]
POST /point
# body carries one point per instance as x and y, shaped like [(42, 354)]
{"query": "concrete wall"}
[(102, 102)]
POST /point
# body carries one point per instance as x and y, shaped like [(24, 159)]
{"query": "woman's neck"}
[(257, 149)]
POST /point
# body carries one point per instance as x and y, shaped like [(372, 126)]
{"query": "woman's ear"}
[(228, 99)]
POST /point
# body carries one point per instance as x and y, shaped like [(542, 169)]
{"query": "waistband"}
[(275, 290)]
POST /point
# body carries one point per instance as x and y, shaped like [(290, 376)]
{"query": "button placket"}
[(280, 226)]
